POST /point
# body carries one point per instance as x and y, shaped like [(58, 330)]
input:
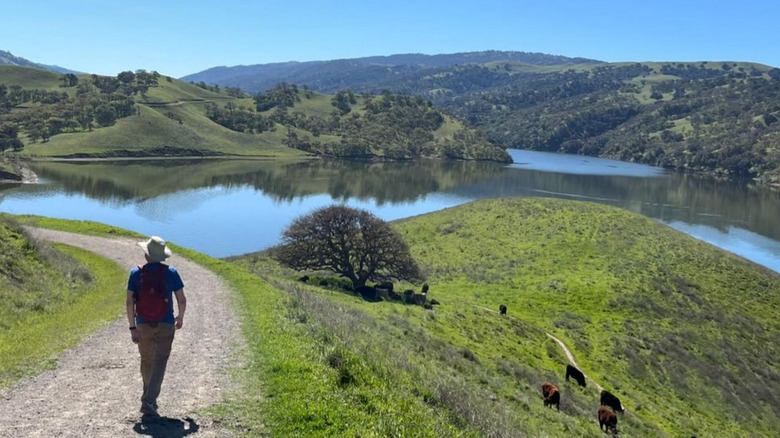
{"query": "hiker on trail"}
[(150, 291)]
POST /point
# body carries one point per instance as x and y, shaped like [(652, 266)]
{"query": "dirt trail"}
[(560, 343), (95, 388)]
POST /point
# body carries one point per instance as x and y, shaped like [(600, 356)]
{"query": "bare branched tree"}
[(352, 243)]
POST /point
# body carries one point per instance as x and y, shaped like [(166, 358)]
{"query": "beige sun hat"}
[(155, 249)]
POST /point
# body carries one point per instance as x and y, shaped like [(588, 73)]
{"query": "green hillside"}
[(50, 297), (682, 332), (137, 114), (384, 126)]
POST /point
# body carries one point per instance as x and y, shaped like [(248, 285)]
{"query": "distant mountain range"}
[(358, 73), (7, 58)]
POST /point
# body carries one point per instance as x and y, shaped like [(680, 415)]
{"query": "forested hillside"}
[(714, 117), (386, 126), (718, 118), (146, 114)]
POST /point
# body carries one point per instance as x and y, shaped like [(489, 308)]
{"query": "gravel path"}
[(95, 388)]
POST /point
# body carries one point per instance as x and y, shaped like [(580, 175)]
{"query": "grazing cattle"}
[(434, 303), (607, 420), (502, 309), (367, 292), (304, 279), (551, 395), (428, 307), (385, 285), (608, 399), (575, 374), (425, 288)]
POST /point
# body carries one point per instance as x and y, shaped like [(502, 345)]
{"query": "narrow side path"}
[(95, 388)]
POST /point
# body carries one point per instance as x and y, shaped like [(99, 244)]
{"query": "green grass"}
[(682, 332), (30, 78), (290, 385), (51, 298), (156, 131), (153, 133), (665, 321)]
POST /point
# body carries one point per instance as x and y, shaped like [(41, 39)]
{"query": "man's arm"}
[(130, 307), (181, 302)]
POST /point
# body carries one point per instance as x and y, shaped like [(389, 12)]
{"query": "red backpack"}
[(151, 302)]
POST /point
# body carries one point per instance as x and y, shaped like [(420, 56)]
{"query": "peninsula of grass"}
[(50, 298)]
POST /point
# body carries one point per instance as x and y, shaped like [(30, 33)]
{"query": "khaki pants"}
[(155, 348)]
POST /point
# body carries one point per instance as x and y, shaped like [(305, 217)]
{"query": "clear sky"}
[(177, 38)]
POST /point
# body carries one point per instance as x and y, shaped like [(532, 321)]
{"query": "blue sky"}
[(182, 37)]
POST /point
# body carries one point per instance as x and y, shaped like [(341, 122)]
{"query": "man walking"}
[(150, 292)]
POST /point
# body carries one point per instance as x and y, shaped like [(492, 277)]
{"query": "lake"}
[(231, 207)]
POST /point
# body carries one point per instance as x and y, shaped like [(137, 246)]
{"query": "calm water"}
[(233, 207)]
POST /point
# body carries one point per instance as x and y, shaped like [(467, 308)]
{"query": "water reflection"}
[(282, 180), (243, 205)]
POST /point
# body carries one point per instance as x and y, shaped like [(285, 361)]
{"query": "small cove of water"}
[(233, 207)]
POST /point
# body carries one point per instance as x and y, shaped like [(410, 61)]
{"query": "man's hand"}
[(179, 321), (135, 336)]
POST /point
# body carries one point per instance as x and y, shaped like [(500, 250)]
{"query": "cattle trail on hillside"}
[(560, 343)]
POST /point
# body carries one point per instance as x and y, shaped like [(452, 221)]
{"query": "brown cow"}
[(551, 395), (607, 420)]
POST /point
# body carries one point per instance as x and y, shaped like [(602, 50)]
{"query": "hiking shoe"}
[(149, 409)]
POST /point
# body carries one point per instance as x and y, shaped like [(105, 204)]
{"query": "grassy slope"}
[(681, 331), (152, 132), (45, 304), (30, 78), (290, 385), (649, 313)]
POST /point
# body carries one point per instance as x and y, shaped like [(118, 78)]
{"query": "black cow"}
[(575, 374), (502, 309), (608, 399)]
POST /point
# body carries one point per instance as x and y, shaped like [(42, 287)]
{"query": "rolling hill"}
[(146, 114), (681, 331)]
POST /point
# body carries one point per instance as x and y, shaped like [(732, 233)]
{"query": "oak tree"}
[(350, 242)]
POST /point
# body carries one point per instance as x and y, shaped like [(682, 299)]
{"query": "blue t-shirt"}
[(172, 283)]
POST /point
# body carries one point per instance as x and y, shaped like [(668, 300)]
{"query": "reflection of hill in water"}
[(675, 197), (282, 180)]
